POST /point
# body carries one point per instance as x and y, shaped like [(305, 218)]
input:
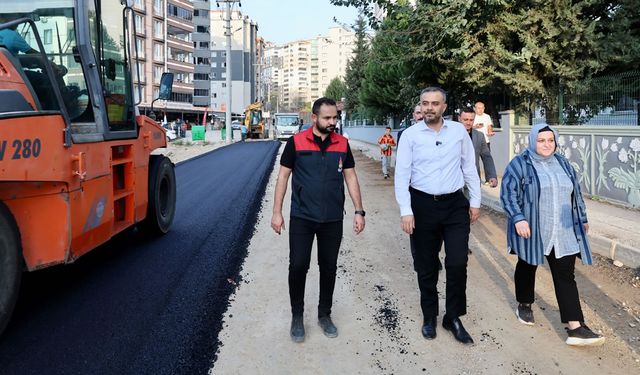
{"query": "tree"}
[(356, 65), (336, 90), (526, 49), (388, 87)]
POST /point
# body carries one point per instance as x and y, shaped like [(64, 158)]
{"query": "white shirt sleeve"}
[(469, 171), (403, 174)]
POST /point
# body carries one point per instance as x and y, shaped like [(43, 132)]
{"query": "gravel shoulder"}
[(376, 306)]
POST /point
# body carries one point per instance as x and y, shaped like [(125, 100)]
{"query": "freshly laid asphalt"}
[(147, 306)]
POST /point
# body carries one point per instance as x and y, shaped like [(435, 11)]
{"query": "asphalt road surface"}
[(147, 306)]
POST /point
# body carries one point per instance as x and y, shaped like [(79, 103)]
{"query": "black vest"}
[(318, 181)]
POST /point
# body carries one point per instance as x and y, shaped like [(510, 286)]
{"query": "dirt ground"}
[(376, 307)]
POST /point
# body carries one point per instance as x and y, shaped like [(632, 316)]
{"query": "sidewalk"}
[(612, 229)]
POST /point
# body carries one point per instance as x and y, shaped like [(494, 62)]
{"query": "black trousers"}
[(301, 235), (436, 221), (563, 274)]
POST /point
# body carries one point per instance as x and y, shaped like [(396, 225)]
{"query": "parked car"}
[(171, 134), (235, 125)]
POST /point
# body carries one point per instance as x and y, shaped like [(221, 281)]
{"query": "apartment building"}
[(244, 63), (164, 43), (202, 53), (299, 72)]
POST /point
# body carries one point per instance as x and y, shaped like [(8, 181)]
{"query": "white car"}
[(171, 134)]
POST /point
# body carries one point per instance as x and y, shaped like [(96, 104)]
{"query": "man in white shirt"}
[(435, 160), (483, 123)]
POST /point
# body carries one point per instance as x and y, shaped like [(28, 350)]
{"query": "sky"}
[(282, 21)]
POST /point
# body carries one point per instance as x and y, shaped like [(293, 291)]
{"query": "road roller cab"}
[(75, 155)]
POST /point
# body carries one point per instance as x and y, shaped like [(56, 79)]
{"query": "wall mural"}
[(615, 175)]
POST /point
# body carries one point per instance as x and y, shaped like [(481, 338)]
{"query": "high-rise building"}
[(244, 61), (202, 53), (299, 72), (164, 43)]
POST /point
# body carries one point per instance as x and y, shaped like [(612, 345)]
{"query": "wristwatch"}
[(360, 212)]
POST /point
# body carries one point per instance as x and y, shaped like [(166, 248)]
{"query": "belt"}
[(438, 197)]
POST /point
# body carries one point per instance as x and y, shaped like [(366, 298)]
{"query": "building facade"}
[(168, 34), (299, 72), (244, 63)]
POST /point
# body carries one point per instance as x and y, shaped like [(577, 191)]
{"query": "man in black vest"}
[(321, 162)]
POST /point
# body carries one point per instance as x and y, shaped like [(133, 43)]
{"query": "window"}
[(202, 29), (201, 92), (202, 61), (157, 7), (140, 71), (181, 98), (201, 13), (158, 51), (139, 4), (157, 73), (157, 29), (47, 36), (176, 11), (140, 47), (139, 93), (139, 24), (204, 44), (201, 76)]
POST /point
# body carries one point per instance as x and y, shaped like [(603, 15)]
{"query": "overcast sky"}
[(282, 21)]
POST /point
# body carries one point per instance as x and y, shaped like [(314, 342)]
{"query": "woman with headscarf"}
[(546, 217)]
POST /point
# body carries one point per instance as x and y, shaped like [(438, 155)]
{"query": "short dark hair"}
[(434, 89), (467, 110), (320, 102), (388, 127)]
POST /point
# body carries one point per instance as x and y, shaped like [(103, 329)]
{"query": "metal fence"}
[(612, 100)]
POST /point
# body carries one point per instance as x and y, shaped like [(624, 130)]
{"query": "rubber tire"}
[(11, 265), (162, 196)]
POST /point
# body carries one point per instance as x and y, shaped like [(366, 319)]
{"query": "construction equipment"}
[(75, 155), (254, 121)]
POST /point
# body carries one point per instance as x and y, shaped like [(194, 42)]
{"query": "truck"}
[(286, 124), (255, 122), (76, 162)]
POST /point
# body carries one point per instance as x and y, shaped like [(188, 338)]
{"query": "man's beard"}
[(329, 129), (435, 120)]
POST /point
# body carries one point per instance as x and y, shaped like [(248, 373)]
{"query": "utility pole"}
[(227, 34)]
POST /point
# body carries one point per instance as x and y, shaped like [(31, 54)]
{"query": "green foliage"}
[(528, 50), (355, 67), (336, 90)]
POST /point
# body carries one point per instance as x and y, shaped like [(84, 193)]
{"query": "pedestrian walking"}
[(483, 123), (416, 118), (321, 162), (546, 217), (386, 143), (482, 151), (435, 161)]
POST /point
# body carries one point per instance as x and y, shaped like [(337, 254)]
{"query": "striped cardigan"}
[(520, 194)]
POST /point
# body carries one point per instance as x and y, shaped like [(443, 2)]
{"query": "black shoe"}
[(429, 328), (297, 328), (583, 336), (525, 314), (455, 326), (328, 328)]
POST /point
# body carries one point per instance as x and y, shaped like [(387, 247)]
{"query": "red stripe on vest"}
[(304, 141)]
